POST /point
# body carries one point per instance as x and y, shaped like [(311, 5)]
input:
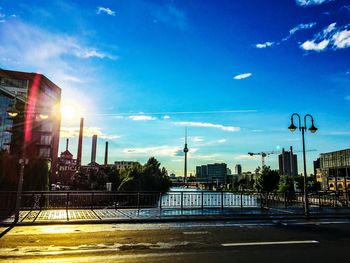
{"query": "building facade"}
[(288, 163), (34, 131), (67, 167), (238, 169), (335, 169), (124, 164), (216, 172)]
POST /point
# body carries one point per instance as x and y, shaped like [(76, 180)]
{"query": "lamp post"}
[(13, 112), (303, 129)]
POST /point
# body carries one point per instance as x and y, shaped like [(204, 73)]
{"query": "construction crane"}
[(263, 156), (266, 154)]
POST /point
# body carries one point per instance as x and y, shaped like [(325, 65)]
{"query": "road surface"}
[(263, 241)]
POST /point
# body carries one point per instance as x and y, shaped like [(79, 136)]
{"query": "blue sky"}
[(232, 72)]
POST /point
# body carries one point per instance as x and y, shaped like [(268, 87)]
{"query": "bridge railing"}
[(171, 200)]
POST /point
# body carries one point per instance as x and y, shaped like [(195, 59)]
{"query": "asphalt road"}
[(278, 241)]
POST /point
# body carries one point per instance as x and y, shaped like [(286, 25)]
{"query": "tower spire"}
[(185, 151)]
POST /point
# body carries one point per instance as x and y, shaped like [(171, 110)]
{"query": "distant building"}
[(67, 167), (238, 169), (124, 164), (288, 163), (228, 171), (317, 165), (335, 168), (34, 132), (216, 172)]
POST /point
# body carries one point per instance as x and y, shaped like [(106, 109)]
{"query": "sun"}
[(71, 110)]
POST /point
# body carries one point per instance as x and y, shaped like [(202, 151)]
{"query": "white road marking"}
[(270, 243), (196, 233), (316, 223), (281, 210)]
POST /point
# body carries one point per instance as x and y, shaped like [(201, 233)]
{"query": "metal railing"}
[(171, 200)]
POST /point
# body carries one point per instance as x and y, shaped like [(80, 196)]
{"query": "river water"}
[(178, 197)]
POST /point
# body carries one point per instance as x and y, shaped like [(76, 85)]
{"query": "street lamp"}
[(312, 129), (13, 112)]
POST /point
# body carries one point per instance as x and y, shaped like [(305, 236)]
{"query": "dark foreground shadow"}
[(3, 233)]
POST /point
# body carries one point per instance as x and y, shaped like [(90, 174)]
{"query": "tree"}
[(149, 177), (286, 184), (36, 175), (267, 180)]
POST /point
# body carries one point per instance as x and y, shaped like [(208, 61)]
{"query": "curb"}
[(178, 219)]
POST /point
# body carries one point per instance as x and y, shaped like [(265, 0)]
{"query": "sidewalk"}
[(164, 215)]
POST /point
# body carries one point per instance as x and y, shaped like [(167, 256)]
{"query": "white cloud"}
[(208, 157), (339, 133), (291, 32), (209, 125), (42, 50), (246, 157), (341, 39), (242, 76), (264, 45), (105, 10), (197, 138), (329, 37), (181, 112), (93, 53), (311, 2), (141, 118), (163, 150), (311, 45), (71, 78), (166, 117), (301, 27), (329, 28), (199, 141), (70, 132)]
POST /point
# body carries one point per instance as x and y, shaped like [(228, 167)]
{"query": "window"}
[(46, 126), (44, 152), (45, 139)]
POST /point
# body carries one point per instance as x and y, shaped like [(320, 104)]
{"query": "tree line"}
[(148, 177)]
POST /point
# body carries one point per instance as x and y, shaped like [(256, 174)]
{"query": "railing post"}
[(92, 200), (67, 201), (41, 201), (138, 203), (319, 199), (285, 199), (32, 201), (182, 201), (336, 199), (241, 200), (222, 200), (202, 201), (160, 201)]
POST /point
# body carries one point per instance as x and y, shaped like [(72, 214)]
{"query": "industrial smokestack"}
[(106, 154), (80, 142), (283, 168), (93, 148), (67, 142)]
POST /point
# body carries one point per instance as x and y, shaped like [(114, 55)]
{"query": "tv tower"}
[(185, 151)]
